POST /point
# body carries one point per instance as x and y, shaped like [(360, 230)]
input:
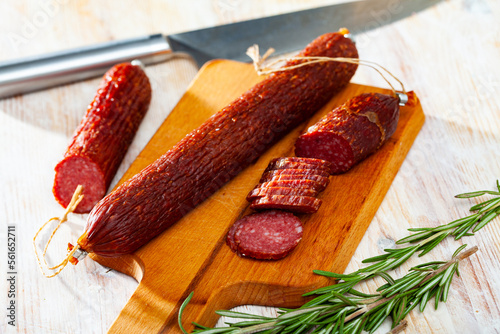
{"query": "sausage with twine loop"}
[(75, 200), (263, 68)]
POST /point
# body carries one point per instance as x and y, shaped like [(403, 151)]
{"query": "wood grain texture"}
[(447, 54), (192, 255)]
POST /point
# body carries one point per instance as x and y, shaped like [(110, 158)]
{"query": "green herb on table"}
[(426, 239), (340, 308), (354, 311)]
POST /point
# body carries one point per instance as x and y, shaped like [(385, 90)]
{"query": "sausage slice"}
[(269, 235)]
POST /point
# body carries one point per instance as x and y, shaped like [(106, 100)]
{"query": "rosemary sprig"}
[(424, 239), (353, 312), (342, 309)]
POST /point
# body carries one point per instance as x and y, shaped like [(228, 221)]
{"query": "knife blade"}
[(285, 33)]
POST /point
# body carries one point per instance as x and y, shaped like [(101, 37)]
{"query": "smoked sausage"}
[(211, 155), (103, 136), (351, 132)]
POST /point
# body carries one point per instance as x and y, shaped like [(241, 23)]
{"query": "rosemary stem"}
[(432, 237), (360, 311), (399, 328), (369, 305), (257, 328), (454, 260)]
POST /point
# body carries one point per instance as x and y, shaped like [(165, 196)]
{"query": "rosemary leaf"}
[(300, 322), (481, 205), (341, 322), (397, 262), (415, 237), (232, 314), (424, 300), (390, 305), (419, 229), (246, 323), (376, 321), (428, 285), (399, 314), (428, 247), (361, 294), (216, 330), (493, 205), (459, 249), (181, 310), (437, 296), (485, 220), (376, 258), (330, 274), (478, 193), (385, 276), (446, 289), (428, 264), (346, 300), (447, 275), (408, 285), (299, 312), (318, 300), (457, 222), (464, 230)]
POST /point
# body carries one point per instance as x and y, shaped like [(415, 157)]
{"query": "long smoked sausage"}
[(211, 155)]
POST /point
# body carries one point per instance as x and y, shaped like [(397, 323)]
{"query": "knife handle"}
[(36, 73)]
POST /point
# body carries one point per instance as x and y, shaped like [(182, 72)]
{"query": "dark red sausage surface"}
[(297, 177), (306, 184), (295, 165), (261, 192), (103, 136), (322, 164), (279, 172), (298, 204), (351, 132), (211, 155)]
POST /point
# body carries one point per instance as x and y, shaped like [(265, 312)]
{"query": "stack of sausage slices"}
[(338, 141), (288, 185), (291, 184)]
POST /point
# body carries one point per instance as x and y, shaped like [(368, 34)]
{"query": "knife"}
[(285, 33)]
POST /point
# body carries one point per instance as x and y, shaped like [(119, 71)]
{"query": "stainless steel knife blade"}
[(285, 33), (290, 32)]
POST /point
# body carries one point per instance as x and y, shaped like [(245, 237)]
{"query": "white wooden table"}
[(449, 54)]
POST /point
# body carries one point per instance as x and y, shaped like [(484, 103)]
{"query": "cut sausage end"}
[(327, 146), (269, 235), (75, 170)]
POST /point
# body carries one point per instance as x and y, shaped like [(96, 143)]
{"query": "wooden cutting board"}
[(192, 255)]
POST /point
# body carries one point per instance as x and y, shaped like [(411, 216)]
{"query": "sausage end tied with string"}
[(263, 67), (75, 253)]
